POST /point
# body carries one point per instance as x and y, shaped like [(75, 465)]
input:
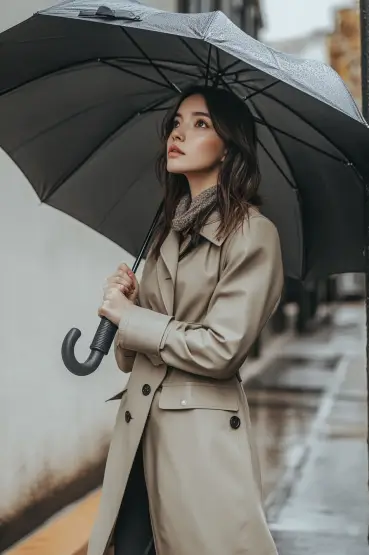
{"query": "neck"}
[(199, 182)]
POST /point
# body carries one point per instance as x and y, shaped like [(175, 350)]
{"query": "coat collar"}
[(167, 262), (210, 228)]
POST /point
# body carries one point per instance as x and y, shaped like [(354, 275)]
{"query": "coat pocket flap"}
[(195, 396)]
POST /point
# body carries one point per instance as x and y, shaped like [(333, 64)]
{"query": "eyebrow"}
[(179, 115)]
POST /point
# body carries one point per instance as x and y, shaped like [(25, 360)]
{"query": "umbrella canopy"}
[(82, 93)]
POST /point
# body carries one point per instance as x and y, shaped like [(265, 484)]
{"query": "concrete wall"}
[(54, 427)]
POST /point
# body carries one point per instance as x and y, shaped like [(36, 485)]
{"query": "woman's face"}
[(193, 145)]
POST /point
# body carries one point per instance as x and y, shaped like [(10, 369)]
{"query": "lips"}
[(175, 150)]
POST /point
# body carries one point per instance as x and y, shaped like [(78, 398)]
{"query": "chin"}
[(176, 168)]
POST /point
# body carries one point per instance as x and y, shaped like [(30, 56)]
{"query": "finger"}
[(122, 285), (115, 277), (125, 280), (111, 287), (124, 275), (123, 268)]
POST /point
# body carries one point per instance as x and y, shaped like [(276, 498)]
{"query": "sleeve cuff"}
[(142, 330)]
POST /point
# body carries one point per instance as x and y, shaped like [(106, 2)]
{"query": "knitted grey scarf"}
[(187, 210)]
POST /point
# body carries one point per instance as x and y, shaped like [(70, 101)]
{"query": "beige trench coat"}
[(187, 339)]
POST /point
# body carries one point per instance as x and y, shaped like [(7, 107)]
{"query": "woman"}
[(182, 476)]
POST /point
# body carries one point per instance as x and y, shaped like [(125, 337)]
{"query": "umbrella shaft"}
[(147, 240)]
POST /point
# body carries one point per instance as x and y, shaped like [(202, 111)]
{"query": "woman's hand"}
[(126, 281), (120, 292)]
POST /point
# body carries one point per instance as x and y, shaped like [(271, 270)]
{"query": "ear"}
[(224, 156)]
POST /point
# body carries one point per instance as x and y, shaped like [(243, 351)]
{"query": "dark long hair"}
[(239, 176)]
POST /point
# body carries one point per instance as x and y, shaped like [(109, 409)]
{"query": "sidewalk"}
[(310, 423), (321, 507)]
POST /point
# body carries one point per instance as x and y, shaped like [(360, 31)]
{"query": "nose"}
[(177, 134)]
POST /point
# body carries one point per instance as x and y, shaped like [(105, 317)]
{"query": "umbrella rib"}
[(198, 58), (106, 139), (346, 161), (267, 152), (140, 49), (245, 70), (220, 69), (208, 65), (309, 145), (160, 64), (234, 64), (179, 71), (287, 160), (130, 72), (261, 91), (64, 67), (277, 165), (244, 81)]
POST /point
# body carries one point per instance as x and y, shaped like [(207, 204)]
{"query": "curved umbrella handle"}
[(100, 346), (106, 331)]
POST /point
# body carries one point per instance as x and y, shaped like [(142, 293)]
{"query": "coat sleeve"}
[(124, 357), (247, 293)]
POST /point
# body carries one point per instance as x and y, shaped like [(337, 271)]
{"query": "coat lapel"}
[(166, 267), (167, 262)]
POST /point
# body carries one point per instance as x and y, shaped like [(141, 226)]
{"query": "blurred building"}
[(244, 13), (343, 46), (344, 55), (311, 46)]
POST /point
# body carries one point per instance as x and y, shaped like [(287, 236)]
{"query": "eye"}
[(175, 124), (201, 123)]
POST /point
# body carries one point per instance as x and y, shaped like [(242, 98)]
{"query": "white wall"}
[(52, 271), (51, 277)]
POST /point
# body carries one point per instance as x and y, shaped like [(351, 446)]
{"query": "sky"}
[(292, 18)]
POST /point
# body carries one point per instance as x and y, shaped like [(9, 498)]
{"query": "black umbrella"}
[(82, 92)]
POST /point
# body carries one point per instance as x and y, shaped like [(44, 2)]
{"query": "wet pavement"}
[(309, 412), (307, 399)]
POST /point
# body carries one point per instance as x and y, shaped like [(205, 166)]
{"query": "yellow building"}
[(344, 49)]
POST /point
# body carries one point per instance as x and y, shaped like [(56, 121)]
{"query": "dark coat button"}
[(128, 416), (235, 422), (146, 389)]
